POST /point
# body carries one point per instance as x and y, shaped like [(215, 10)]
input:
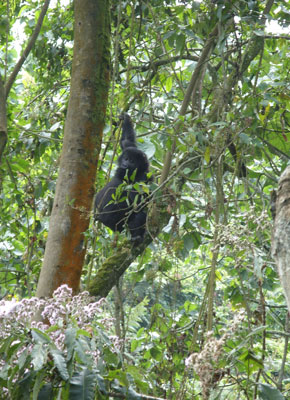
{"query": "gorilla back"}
[(115, 207)]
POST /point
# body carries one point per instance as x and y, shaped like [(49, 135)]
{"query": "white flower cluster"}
[(60, 310), (205, 363)]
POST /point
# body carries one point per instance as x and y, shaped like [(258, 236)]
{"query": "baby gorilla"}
[(115, 209)]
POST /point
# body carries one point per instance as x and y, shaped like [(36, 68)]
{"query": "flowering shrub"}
[(206, 363), (72, 354), (66, 355)]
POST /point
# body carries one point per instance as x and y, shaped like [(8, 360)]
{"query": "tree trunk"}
[(65, 247), (281, 233)]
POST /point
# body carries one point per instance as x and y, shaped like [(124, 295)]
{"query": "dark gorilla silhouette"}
[(118, 208)]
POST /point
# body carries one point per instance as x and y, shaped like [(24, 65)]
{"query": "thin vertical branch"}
[(27, 49), (205, 55), (3, 119)]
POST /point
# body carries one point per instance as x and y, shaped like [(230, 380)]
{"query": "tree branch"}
[(3, 119), (27, 50), (204, 57), (155, 64)]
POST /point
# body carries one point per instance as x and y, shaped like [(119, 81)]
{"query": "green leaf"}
[(168, 85), (82, 349), (46, 392), (24, 386), (244, 138), (148, 148), (180, 43), (70, 338), (156, 353), (5, 371), (134, 345), (39, 356), (60, 363), (259, 32), (19, 246), (37, 385), (21, 166), (24, 358), (257, 330), (38, 192), (101, 384), (252, 363), (39, 336), (82, 385), (268, 392), (207, 155), (127, 392)]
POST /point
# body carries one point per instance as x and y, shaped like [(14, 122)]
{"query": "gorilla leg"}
[(136, 224)]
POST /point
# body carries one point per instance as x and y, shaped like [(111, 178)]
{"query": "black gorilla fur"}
[(133, 166)]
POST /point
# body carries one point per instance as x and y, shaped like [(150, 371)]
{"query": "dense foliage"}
[(210, 268)]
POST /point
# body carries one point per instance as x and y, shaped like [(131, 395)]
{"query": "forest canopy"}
[(197, 309)]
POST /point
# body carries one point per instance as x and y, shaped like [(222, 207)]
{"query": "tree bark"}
[(65, 247), (281, 233)]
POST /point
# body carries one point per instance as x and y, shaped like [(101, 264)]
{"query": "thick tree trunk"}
[(65, 248), (281, 233)]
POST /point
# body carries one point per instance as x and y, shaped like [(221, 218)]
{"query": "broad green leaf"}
[(268, 392)]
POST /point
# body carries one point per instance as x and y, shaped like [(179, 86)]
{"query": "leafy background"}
[(159, 307)]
